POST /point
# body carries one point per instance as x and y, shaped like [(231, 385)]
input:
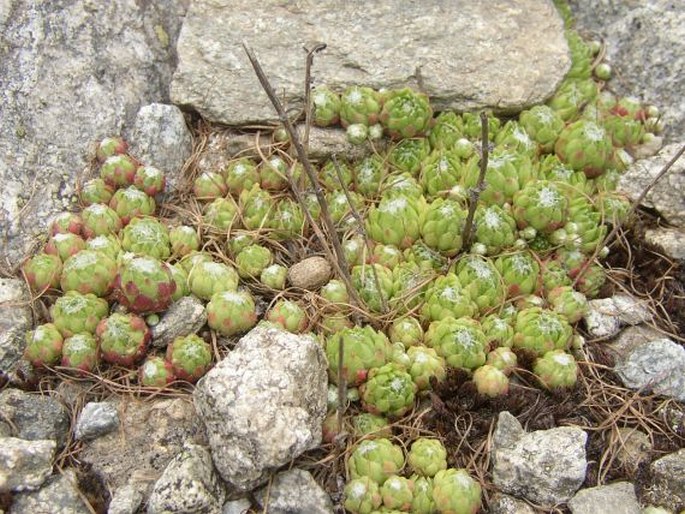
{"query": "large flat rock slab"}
[(465, 54)]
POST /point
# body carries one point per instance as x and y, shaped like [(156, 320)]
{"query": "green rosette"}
[(146, 236), (541, 330), (388, 390), (231, 312), (76, 313), (460, 342), (364, 348)]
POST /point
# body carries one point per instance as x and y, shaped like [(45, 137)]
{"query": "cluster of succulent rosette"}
[(433, 304)]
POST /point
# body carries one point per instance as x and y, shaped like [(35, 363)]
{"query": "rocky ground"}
[(166, 76)]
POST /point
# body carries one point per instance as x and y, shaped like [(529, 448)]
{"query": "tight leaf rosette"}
[(155, 372), (207, 278), (95, 190), (359, 105), (110, 146), (107, 244), (490, 381), (183, 240), (443, 225), (446, 130), (572, 304), (460, 342), (389, 390), (209, 185), (231, 312), (76, 313), (66, 222), (241, 175), (43, 271), (407, 331), (396, 221), (80, 351), (180, 277), (274, 276), (369, 175), (423, 502), (397, 493), (377, 459), (584, 145), (123, 338), (367, 279), (401, 184), (425, 365), (89, 272), (507, 173), (495, 228), (440, 172), (482, 281), (427, 456), (118, 170), (407, 155), (131, 202), (145, 284), (289, 315), (252, 260), (498, 330), (220, 214), (190, 357), (362, 495), (556, 369), (406, 113), (325, 106), (288, 220), (455, 492), (64, 245), (543, 125), (150, 180), (363, 349), (146, 236), (100, 219), (410, 283), (541, 205), (256, 207), (447, 298), (502, 358), (43, 345), (520, 272), (513, 136), (571, 96), (540, 330)]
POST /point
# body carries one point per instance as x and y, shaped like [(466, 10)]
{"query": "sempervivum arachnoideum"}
[(427, 456), (109, 146), (502, 358), (406, 113), (220, 214), (397, 493), (274, 276), (183, 239), (446, 297), (585, 145), (150, 180), (498, 330), (541, 330), (388, 390), (454, 491), (107, 244), (123, 338), (155, 372), (252, 260), (481, 281), (364, 348), (95, 190), (241, 175), (146, 236), (231, 312), (520, 272), (325, 106), (76, 313), (541, 205), (367, 279), (543, 125), (555, 369), (495, 229), (89, 271), (491, 381), (145, 284), (396, 220), (359, 105), (43, 345), (80, 352), (362, 495), (507, 173), (567, 301), (407, 331), (377, 459), (131, 202), (369, 173), (460, 342), (287, 221), (425, 364), (410, 283), (66, 222), (572, 96), (440, 172), (207, 278), (512, 136), (408, 155), (442, 226), (209, 185), (42, 271), (190, 357), (447, 129), (100, 219), (472, 126), (118, 170), (289, 315)]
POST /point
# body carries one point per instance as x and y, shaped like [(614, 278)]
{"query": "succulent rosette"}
[(572, 96), (591, 280), (95, 190), (220, 214), (364, 348), (553, 275), (442, 227), (252, 260), (377, 459), (543, 125), (325, 106), (241, 175), (274, 276), (340, 209), (472, 125), (43, 345), (108, 244), (118, 170), (423, 502), (76, 313), (460, 342), (498, 331), (374, 284), (131, 202), (541, 205), (369, 174), (502, 358), (288, 315), (188, 261), (273, 173), (401, 184), (495, 228), (615, 208), (386, 255), (568, 302), (209, 185), (156, 372), (231, 312), (180, 278), (410, 283), (573, 183), (362, 495), (427, 456), (398, 355), (541, 330), (584, 229), (150, 180), (89, 271), (446, 131), (440, 172), (335, 322), (359, 105), (425, 365), (406, 330), (397, 493), (335, 291), (455, 492), (123, 338), (80, 351), (513, 137), (491, 381), (207, 278), (585, 145), (109, 146), (481, 280), (99, 219), (190, 357), (507, 173), (406, 113), (555, 369), (446, 297), (330, 175), (145, 284), (371, 426), (183, 239), (581, 56), (146, 236), (520, 272), (407, 155), (42, 271), (66, 222), (396, 220), (288, 220), (388, 390), (357, 133)]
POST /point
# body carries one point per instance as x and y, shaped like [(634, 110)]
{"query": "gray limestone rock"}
[(481, 54), (125, 500), (241, 506), (96, 419), (184, 317), (71, 73), (161, 138), (617, 498), (666, 196), (294, 490), (630, 338), (606, 316), (263, 404), (645, 44), (668, 481), (24, 465), (35, 416), (670, 240), (188, 484), (505, 504), (15, 320), (657, 366), (59, 495), (546, 466)]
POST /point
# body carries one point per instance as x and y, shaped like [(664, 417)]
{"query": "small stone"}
[(59, 495), (668, 481), (35, 416), (630, 338), (125, 500), (240, 506), (670, 240), (294, 490), (96, 419), (617, 498), (15, 320), (326, 142), (505, 504), (24, 465), (606, 316), (310, 274), (184, 317)]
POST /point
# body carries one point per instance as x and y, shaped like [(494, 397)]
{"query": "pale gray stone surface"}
[(59, 495), (657, 366), (630, 338), (505, 504), (617, 498), (667, 195), (474, 55), (670, 240), (188, 484), (294, 490), (125, 500), (646, 47), (263, 404), (606, 316), (546, 466), (15, 320), (668, 481), (24, 465), (96, 419), (35, 416), (71, 72), (241, 506), (184, 317)]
